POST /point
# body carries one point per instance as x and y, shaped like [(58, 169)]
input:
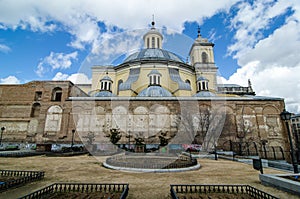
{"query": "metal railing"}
[(222, 189), (20, 153), (79, 187), (22, 177)]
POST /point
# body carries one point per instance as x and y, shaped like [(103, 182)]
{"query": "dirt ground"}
[(89, 169)]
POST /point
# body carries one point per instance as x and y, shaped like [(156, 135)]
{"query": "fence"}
[(20, 153), (79, 187), (22, 177), (222, 189), (254, 149)]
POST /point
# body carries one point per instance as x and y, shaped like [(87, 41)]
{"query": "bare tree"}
[(215, 127), (90, 137), (200, 124), (203, 125)]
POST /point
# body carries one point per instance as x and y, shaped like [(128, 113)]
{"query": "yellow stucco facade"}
[(176, 77)]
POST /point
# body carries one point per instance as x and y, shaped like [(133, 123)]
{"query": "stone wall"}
[(210, 122)]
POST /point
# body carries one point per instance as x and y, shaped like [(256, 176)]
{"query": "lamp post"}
[(286, 116), (2, 129), (73, 132), (129, 140)]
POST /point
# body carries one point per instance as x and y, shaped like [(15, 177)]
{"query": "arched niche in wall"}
[(159, 119), (82, 118), (141, 121), (35, 110), (98, 119), (204, 57), (53, 119), (271, 120), (229, 128), (119, 118), (246, 121)]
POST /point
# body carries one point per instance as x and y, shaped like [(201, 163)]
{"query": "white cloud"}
[(10, 80), (275, 81), (56, 61), (251, 20), (4, 48), (272, 62), (77, 78), (81, 17), (280, 49), (259, 56), (110, 46), (60, 76)]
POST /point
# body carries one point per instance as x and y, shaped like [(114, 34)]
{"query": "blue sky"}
[(56, 40)]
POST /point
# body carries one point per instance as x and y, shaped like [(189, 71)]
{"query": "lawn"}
[(89, 169)]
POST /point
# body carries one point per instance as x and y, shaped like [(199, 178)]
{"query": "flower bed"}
[(9, 179), (81, 190)]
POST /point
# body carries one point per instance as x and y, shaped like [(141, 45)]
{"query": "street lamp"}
[(2, 129), (73, 132), (286, 116), (129, 140)]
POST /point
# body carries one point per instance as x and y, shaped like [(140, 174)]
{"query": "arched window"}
[(158, 44), (35, 110), (203, 86), (56, 94), (119, 83), (188, 82), (105, 86), (153, 42), (148, 42), (204, 57)]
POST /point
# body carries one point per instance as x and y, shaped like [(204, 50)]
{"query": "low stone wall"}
[(280, 182)]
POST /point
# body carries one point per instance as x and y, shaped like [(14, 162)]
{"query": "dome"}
[(154, 72), (153, 54), (202, 79), (204, 94), (106, 78), (151, 32), (104, 94), (154, 91)]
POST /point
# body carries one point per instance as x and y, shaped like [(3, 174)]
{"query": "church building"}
[(152, 97)]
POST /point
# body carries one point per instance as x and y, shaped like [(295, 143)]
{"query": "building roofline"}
[(211, 98)]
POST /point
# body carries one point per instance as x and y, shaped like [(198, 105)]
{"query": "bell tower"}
[(202, 59)]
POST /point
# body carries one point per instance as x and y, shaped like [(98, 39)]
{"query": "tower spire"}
[(199, 35), (153, 38), (153, 22)]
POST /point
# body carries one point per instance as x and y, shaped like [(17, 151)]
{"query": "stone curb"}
[(151, 170)]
